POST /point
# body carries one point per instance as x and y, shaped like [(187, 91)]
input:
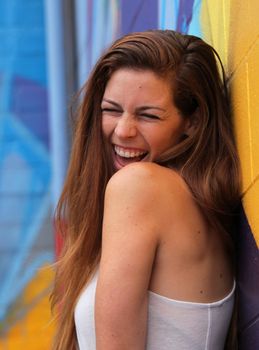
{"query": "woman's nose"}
[(126, 127)]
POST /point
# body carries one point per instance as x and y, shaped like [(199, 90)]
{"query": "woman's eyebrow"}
[(112, 102), (142, 108)]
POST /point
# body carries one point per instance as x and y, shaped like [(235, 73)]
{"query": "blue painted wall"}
[(26, 242), (25, 171)]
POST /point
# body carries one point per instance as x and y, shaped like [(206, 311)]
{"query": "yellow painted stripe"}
[(35, 329)]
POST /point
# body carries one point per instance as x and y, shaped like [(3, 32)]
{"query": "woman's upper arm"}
[(128, 249)]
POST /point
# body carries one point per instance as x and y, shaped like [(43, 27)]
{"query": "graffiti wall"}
[(26, 236), (26, 241)]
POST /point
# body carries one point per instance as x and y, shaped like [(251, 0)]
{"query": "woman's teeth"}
[(128, 153)]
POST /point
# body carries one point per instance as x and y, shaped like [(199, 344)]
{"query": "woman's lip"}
[(120, 162)]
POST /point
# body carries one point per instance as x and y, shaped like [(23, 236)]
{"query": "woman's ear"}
[(191, 124)]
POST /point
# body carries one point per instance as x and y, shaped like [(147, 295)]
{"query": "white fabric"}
[(172, 324), (84, 317)]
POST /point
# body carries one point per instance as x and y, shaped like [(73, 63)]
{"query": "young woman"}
[(149, 202)]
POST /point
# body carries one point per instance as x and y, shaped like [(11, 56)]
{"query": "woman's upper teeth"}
[(127, 153)]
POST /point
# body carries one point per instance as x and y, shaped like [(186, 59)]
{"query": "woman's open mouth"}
[(124, 156)]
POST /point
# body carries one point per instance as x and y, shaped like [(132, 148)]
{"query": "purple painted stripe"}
[(30, 106), (138, 15), (248, 287), (184, 17)]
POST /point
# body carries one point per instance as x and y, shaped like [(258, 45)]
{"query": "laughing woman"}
[(149, 202)]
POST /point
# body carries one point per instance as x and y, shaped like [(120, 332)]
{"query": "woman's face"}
[(139, 118)]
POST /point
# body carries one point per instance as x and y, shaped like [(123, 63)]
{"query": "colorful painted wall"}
[(26, 237), (26, 241)]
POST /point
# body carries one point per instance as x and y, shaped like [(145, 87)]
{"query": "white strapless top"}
[(171, 324)]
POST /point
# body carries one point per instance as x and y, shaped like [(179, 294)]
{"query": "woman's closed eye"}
[(150, 116), (111, 110), (108, 110)]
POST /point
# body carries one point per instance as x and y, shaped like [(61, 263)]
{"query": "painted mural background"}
[(26, 237)]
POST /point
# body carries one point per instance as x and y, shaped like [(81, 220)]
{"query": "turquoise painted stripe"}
[(195, 25), (168, 11)]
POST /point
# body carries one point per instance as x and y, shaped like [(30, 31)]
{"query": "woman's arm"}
[(128, 250)]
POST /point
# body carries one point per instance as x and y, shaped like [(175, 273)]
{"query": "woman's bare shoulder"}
[(136, 172), (134, 188), (150, 190), (148, 178)]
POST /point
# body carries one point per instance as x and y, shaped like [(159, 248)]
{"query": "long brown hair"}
[(207, 159)]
